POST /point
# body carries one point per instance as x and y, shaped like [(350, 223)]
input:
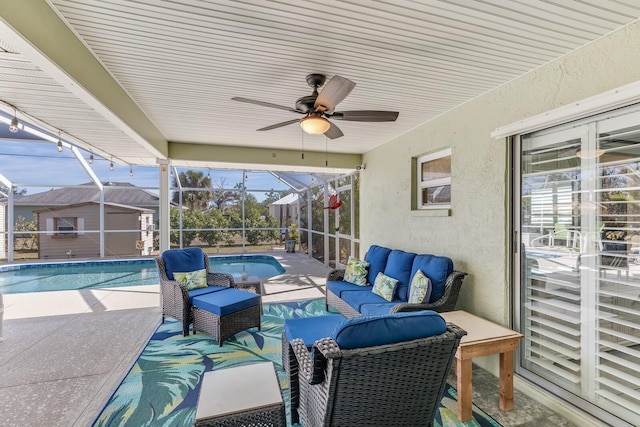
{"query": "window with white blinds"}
[(579, 291)]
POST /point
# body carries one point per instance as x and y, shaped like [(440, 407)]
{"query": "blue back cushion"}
[(437, 269), (311, 329), (377, 259), (182, 260), (361, 332), (399, 265)]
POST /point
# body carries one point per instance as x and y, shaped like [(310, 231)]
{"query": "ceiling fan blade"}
[(265, 104), (366, 116), (333, 93), (279, 125), (333, 132)]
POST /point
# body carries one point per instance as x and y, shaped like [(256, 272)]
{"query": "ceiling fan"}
[(318, 107)]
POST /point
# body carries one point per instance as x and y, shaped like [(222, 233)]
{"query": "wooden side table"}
[(241, 396), (483, 338)]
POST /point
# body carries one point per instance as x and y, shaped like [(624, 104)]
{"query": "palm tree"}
[(191, 181)]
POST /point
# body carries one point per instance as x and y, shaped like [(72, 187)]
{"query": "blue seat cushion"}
[(361, 332), (226, 301), (376, 309), (377, 258), (311, 329), (437, 269), (337, 287), (203, 291), (399, 265), (182, 260), (356, 298)]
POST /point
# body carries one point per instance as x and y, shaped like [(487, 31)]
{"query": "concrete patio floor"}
[(65, 352)]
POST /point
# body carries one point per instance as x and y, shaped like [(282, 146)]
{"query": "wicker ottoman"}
[(247, 395), (224, 313)]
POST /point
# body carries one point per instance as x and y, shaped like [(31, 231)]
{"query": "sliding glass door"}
[(578, 234)]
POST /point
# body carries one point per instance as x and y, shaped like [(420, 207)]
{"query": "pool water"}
[(107, 274)]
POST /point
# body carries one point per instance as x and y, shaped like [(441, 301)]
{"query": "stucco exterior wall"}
[(476, 234)]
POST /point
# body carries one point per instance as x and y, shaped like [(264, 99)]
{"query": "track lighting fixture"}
[(59, 143), (13, 127), (111, 165), (91, 159)]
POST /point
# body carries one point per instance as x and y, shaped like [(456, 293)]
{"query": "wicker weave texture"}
[(175, 296), (223, 327), (338, 303), (273, 416), (392, 385), (291, 368)]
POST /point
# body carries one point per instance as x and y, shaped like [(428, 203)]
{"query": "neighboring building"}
[(67, 231), (121, 193), (285, 209)]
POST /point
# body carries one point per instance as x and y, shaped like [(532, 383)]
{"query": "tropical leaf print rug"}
[(162, 387)]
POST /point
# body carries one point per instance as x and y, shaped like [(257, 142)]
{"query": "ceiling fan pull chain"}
[(302, 139), (326, 159)]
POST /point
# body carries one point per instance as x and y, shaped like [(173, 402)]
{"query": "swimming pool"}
[(105, 274)]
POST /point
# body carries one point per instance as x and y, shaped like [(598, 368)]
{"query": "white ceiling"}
[(181, 61)]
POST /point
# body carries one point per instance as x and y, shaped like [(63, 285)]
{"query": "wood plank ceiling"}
[(182, 61)]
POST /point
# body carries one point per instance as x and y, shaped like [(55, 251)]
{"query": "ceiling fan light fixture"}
[(315, 124)]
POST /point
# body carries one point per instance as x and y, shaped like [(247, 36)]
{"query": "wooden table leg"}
[(465, 390), (506, 381)]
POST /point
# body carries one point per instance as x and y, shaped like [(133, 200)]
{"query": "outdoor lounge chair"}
[(176, 298), (387, 370)]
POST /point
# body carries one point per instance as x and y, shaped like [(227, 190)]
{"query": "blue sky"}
[(27, 163)]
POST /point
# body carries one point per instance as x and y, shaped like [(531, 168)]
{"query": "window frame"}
[(438, 182), (64, 222)]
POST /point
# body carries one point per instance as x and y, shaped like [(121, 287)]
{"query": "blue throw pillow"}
[(372, 331), (377, 258), (190, 259)]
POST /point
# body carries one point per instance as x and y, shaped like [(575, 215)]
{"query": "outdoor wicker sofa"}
[(353, 300), (221, 309), (387, 370)]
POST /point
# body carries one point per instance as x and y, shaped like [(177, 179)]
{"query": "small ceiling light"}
[(91, 159), (111, 165), (130, 170), (315, 124), (59, 143), (13, 127)]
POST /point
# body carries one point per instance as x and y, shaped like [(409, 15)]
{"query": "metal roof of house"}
[(286, 200), (120, 193)]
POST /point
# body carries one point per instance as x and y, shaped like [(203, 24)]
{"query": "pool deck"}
[(65, 352)]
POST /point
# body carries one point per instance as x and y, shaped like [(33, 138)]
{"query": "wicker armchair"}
[(398, 384), (176, 300), (447, 301)]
